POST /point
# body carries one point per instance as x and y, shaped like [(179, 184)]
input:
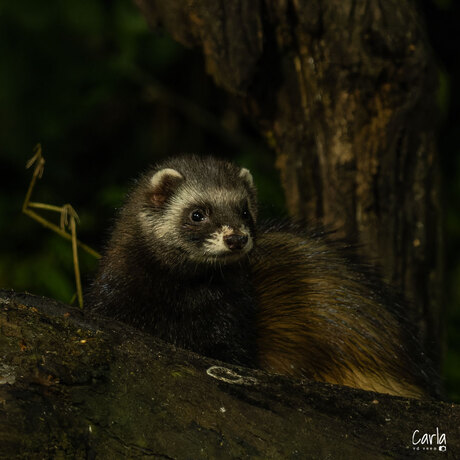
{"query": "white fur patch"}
[(247, 176), (215, 244), (159, 176)]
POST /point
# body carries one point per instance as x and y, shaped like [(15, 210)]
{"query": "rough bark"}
[(77, 386), (344, 91)]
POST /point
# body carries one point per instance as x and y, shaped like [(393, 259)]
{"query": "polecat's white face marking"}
[(227, 241), (215, 243)]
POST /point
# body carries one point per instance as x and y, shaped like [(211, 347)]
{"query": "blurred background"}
[(106, 97)]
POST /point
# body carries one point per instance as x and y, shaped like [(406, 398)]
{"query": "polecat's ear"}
[(247, 176), (163, 183)]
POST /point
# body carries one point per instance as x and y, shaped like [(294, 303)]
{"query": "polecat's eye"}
[(246, 214), (197, 216)]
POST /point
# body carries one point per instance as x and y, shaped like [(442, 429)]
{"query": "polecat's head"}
[(201, 210)]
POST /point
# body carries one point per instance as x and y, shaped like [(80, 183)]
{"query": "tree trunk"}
[(73, 385), (344, 91)]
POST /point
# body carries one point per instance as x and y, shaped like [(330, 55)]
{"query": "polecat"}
[(187, 263)]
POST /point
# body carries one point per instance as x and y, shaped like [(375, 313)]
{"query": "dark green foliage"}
[(106, 97)]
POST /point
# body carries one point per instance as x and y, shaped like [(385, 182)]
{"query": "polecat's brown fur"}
[(187, 263), (325, 316)]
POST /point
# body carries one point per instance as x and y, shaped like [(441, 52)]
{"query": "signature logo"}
[(429, 441)]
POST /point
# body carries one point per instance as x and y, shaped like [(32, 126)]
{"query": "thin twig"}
[(75, 260), (47, 207), (59, 231), (68, 218), (38, 172)]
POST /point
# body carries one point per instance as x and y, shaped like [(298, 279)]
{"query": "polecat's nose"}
[(235, 242)]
